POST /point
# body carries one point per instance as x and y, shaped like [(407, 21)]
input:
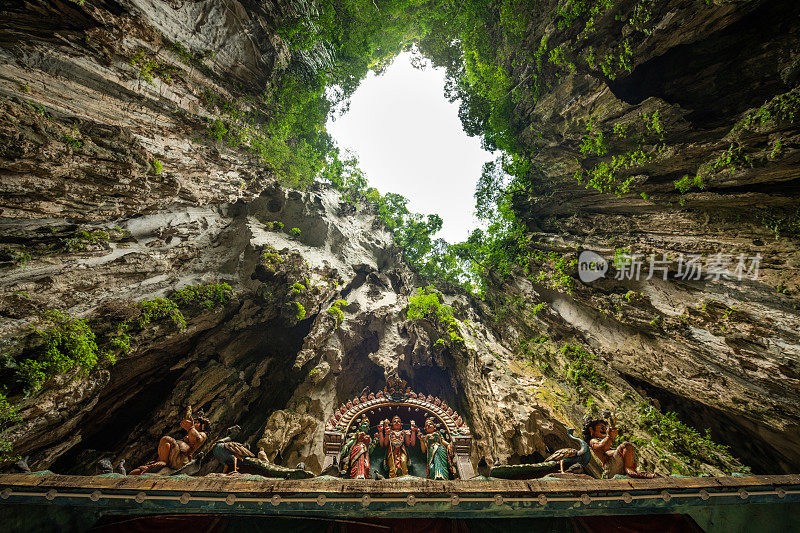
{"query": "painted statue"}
[(570, 457), (355, 452), (395, 439), (176, 454), (438, 450), (229, 452), (619, 460)]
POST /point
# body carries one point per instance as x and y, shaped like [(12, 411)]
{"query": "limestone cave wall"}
[(113, 193)]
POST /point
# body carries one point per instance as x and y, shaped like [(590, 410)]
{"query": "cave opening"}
[(381, 126), (360, 371), (113, 425), (431, 379), (745, 437), (719, 77), (280, 345), (103, 434)]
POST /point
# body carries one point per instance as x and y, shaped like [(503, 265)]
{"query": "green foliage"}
[(622, 257), (641, 17), (531, 345), (782, 108), (573, 10), (594, 143), (206, 296), (295, 232), (68, 342), (609, 176), (580, 369), (591, 59), (505, 305), (157, 309), (433, 259), (336, 310), (148, 67), (653, 124), (557, 58), (191, 297), (777, 149), (732, 158), (217, 130), (426, 304), (606, 175), (482, 47), (498, 249), (686, 183), (684, 441), (297, 288), (470, 41), (158, 167), (9, 416), (782, 222), (552, 269), (272, 259), (620, 129), (84, 238), (119, 341), (183, 53), (300, 311), (71, 141), (40, 109), (333, 45), (16, 255)]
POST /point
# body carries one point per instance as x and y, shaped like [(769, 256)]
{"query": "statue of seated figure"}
[(619, 460), (175, 454)]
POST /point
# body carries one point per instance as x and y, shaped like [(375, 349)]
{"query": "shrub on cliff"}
[(68, 341), (425, 304), (206, 296)]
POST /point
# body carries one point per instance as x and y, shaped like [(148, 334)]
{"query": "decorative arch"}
[(394, 396)]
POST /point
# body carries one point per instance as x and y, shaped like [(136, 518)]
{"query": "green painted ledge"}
[(708, 500)]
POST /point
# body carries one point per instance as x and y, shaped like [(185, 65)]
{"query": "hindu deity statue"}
[(616, 460), (439, 451), (354, 458), (395, 439), (176, 454)]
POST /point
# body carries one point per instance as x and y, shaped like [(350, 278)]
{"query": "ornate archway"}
[(396, 397)]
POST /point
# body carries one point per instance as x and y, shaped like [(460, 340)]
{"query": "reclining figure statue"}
[(176, 454), (619, 460)]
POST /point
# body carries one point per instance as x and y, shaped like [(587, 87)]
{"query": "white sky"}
[(409, 141)]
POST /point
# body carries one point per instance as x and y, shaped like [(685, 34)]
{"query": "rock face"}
[(715, 173), (258, 362), (114, 193)]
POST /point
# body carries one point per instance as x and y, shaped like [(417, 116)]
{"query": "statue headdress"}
[(589, 425)]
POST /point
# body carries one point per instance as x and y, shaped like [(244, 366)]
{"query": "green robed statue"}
[(439, 451)]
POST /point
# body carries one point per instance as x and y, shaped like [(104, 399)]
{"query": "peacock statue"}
[(235, 455), (563, 458), (570, 456), (230, 452)]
